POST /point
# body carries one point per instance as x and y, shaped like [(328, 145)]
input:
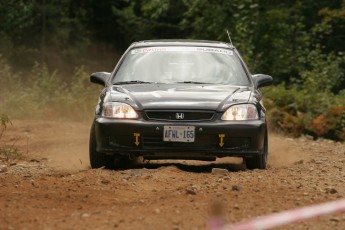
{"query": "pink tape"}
[(290, 216)]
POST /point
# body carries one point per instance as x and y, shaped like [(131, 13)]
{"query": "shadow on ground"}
[(191, 166)]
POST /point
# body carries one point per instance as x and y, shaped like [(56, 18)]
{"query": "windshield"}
[(172, 64)]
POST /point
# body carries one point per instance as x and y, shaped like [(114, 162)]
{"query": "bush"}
[(45, 95), (298, 111), (7, 152), (330, 125)]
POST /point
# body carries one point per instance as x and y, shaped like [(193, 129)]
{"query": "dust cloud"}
[(284, 151)]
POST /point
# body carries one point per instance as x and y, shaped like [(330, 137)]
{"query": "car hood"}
[(180, 96)]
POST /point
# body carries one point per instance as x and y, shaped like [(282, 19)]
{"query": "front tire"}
[(260, 161), (97, 159)]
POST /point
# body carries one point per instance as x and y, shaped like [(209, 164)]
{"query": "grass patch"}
[(46, 94), (7, 152)]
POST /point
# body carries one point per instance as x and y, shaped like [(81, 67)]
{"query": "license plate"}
[(179, 133)]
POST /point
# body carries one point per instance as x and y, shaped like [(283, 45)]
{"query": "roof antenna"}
[(229, 38)]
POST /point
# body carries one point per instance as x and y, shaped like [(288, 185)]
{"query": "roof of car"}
[(181, 42)]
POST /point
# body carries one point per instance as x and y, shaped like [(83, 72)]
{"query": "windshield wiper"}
[(131, 82), (193, 82)]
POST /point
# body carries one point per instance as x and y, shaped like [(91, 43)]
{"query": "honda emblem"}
[(179, 116)]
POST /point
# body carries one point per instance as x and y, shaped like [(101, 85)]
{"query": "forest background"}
[(49, 48)]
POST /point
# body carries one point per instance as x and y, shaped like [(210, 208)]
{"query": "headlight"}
[(118, 110), (240, 113)]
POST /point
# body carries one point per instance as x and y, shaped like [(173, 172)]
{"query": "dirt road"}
[(53, 187)]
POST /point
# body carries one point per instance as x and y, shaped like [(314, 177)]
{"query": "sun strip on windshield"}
[(181, 49)]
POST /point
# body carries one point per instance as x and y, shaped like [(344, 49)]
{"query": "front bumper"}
[(212, 139)]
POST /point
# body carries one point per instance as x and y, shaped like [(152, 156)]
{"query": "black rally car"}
[(179, 99)]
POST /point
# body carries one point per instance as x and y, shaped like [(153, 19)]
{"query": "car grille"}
[(180, 115)]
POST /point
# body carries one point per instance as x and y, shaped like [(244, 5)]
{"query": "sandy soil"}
[(53, 187)]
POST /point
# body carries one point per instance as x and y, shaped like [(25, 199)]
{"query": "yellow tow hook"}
[(221, 139), (136, 135)]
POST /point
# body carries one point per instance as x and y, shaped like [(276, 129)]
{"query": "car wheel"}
[(97, 159), (260, 161)]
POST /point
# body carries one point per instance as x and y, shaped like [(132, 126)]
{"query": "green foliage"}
[(210, 20), (10, 153), (45, 95), (296, 111), (77, 99), (4, 121), (42, 31), (155, 8), (16, 18), (149, 19), (314, 102), (7, 152), (324, 73)]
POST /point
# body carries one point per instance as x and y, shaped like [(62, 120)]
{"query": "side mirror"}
[(100, 78), (262, 80)]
